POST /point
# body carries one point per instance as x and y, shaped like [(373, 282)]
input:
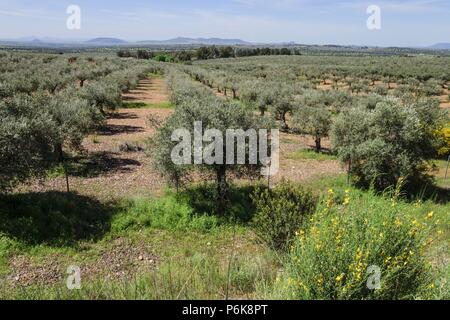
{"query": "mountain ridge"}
[(441, 45)]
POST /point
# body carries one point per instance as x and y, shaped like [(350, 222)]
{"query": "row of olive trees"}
[(318, 113), (280, 88), (39, 126), (421, 77)]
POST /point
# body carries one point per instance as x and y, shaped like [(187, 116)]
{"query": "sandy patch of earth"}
[(111, 172), (122, 260)]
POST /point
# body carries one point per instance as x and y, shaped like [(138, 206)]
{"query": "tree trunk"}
[(225, 92), (318, 144), (285, 125), (64, 163), (234, 93), (222, 186)]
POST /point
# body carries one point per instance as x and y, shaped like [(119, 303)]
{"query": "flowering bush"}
[(347, 243), (444, 149), (280, 212)]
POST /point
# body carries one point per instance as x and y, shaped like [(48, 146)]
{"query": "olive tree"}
[(27, 137), (283, 105), (74, 118), (212, 113), (315, 121), (105, 95), (392, 141), (314, 116)]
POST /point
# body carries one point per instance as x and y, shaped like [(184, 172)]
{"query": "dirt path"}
[(152, 90), (303, 169), (129, 170), (113, 165)]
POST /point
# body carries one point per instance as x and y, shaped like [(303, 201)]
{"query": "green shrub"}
[(393, 140), (331, 259), (53, 218), (280, 212), (165, 213)]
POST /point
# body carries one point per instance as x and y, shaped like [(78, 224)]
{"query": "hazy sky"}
[(404, 22)]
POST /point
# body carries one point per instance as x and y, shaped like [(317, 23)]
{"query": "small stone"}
[(141, 258)]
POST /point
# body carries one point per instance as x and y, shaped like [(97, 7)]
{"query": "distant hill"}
[(198, 41), (106, 41), (442, 45)]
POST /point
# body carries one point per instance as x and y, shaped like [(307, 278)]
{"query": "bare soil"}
[(303, 170), (113, 173), (121, 260)]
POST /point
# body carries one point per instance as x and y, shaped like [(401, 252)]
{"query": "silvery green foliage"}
[(104, 95), (283, 104), (49, 103), (27, 138), (193, 105), (391, 141), (313, 115), (73, 116)]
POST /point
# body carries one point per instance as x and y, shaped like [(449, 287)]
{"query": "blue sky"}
[(404, 22)]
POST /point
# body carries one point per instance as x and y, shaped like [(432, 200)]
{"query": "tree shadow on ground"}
[(122, 116), (323, 150), (203, 199), (115, 129), (53, 218), (135, 98), (432, 192), (99, 163)]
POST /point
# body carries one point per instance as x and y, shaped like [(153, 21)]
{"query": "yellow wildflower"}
[(320, 280), (346, 201), (340, 277)]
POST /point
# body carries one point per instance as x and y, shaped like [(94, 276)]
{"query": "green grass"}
[(155, 75), (442, 167), (415, 207), (200, 275), (143, 105), (193, 243), (192, 237), (431, 213), (308, 154)]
